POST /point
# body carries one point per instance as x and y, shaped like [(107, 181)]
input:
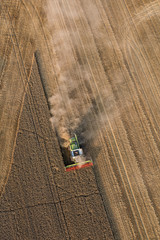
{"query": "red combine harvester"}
[(77, 157)]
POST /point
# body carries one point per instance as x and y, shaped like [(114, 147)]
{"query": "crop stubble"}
[(117, 44), (121, 65)]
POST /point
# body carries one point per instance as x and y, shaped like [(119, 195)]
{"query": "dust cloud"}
[(68, 103), (74, 104)]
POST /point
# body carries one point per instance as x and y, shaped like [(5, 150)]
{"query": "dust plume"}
[(68, 103), (76, 105)]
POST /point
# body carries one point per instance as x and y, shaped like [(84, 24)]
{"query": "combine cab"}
[(78, 160)]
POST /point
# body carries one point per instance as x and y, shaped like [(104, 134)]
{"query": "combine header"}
[(78, 160)]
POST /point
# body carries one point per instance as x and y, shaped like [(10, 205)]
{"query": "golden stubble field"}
[(95, 65)]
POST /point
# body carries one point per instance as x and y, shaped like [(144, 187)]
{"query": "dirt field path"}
[(99, 64)]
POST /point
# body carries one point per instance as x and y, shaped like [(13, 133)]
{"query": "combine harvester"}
[(77, 157)]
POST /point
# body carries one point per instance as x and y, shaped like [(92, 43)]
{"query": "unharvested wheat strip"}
[(119, 208), (52, 182)]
